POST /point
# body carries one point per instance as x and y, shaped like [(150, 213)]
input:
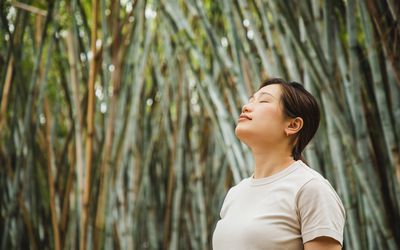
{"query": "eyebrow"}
[(262, 93)]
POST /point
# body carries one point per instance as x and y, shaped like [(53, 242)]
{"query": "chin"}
[(242, 134), (251, 137)]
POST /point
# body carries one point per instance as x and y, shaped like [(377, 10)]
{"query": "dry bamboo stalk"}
[(6, 91), (50, 158), (90, 127), (168, 210), (106, 154), (68, 188), (28, 223), (29, 8)]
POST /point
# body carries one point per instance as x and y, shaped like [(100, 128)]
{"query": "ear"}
[(293, 126)]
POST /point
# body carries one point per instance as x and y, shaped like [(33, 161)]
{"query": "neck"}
[(269, 162)]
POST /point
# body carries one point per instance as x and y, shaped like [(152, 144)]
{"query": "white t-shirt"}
[(282, 211)]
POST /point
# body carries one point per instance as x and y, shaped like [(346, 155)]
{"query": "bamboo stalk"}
[(105, 165), (33, 81), (199, 205), (146, 183), (163, 86), (178, 166), (311, 149), (129, 148), (66, 203), (50, 166), (90, 127), (29, 8), (28, 222), (77, 127), (6, 91)]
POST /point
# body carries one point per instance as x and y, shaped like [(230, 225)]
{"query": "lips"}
[(244, 117)]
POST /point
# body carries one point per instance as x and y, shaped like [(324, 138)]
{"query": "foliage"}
[(117, 117)]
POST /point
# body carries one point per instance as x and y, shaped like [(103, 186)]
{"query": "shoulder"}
[(308, 173), (320, 210), (315, 186), (303, 178)]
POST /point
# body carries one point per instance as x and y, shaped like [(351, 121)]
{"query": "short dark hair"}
[(298, 102)]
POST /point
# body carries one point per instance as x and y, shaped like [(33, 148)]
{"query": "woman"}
[(284, 204)]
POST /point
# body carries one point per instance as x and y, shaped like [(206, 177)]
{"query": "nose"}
[(245, 108)]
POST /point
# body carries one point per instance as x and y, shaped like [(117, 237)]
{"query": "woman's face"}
[(262, 120)]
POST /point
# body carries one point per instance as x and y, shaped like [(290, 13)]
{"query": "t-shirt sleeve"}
[(320, 211)]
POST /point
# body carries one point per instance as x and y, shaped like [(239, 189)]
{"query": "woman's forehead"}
[(272, 89)]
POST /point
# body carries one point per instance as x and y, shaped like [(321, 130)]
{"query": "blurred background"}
[(117, 117)]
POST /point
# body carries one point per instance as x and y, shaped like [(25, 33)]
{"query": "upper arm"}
[(325, 243), (321, 213)]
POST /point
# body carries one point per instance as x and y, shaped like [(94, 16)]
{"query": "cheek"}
[(271, 115)]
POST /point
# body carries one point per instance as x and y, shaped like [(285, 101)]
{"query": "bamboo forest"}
[(117, 120)]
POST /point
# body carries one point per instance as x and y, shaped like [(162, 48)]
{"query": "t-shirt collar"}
[(282, 173)]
